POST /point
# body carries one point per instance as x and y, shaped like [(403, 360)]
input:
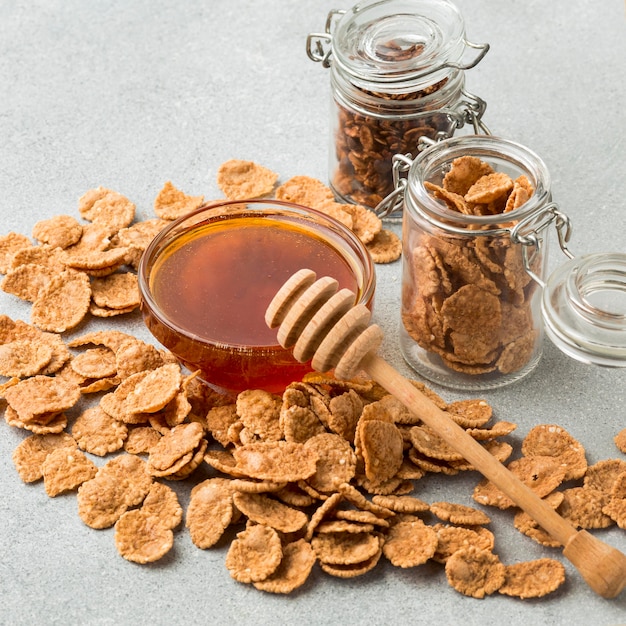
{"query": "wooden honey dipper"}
[(323, 324)]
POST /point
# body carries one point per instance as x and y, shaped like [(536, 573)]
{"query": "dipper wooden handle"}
[(324, 325)]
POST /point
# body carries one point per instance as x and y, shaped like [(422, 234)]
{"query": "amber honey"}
[(210, 284)]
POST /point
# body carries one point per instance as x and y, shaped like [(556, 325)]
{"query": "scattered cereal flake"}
[(59, 231), (95, 363), (300, 423), (276, 460), (162, 502), (28, 281), (155, 390), (451, 539), (401, 504), (133, 355), (426, 441), (620, 440), (354, 569), (241, 180), (255, 554), (259, 412), (116, 291), (210, 511), (382, 449), (63, 303), (98, 433), (141, 538), (31, 453), (459, 514), (21, 358), (345, 548), (603, 474), (475, 572), (141, 439), (582, 506), (131, 474), (354, 496), (293, 571), (265, 510), (365, 223), (46, 423), (65, 469), (105, 207), (172, 203), (176, 444), (336, 464), (532, 579), (9, 245), (101, 502), (410, 542), (40, 395), (553, 440), (385, 247), (305, 190)]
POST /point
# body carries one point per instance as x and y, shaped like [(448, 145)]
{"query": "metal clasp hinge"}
[(391, 205), (318, 45), (527, 233)]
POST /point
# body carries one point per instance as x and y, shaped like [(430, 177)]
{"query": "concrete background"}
[(129, 94)]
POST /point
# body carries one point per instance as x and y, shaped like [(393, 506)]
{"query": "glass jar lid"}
[(389, 41), (584, 308)]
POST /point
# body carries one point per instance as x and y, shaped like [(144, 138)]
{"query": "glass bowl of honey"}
[(208, 277)]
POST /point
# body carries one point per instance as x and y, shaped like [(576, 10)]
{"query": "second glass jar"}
[(397, 75)]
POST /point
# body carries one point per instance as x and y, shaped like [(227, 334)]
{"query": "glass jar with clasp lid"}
[(397, 74), (476, 298)]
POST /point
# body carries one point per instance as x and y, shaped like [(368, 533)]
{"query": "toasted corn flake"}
[(454, 538), (9, 245), (21, 359), (40, 395), (410, 543), (141, 537), (354, 569), (426, 441), (583, 507), (162, 503), (276, 460), (210, 512), (255, 554), (241, 180), (31, 453), (28, 281), (475, 572), (116, 291), (175, 445), (95, 363), (156, 390), (489, 188), (293, 571), (342, 548), (172, 203), (132, 476), (553, 440), (260, 411), (532, 579), (141, 439), (336, 464), (59, 231), (63, 303), (401, 504), (464, 172), (382, 449), (304, 190), (98, 433), (65, 469), (603, 474), (459, 514), (385, 247), (101, 502), (265, 510), (620, 440)]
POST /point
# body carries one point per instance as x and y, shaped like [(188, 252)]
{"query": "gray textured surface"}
[(130, 94)]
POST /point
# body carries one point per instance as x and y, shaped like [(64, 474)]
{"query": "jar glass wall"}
[(471, 313)]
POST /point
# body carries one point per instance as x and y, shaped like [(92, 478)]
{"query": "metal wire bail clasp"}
[(391, 206), (318, 45), (527, 232)]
